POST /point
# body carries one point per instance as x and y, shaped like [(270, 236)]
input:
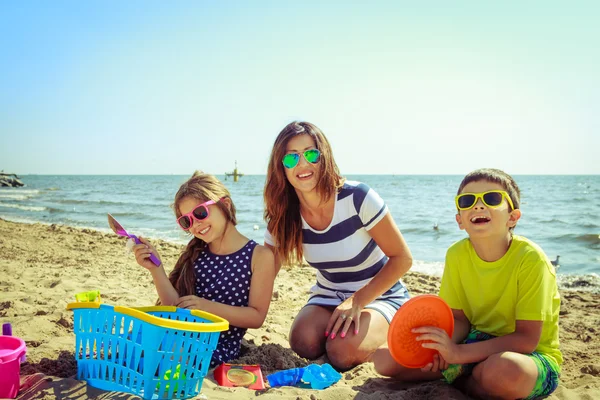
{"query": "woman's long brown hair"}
[(202, 187), (282, 206)]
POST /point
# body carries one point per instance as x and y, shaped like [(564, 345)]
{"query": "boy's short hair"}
[(496, 176)]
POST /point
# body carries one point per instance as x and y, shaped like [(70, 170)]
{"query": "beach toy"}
[(92, 295), (7, 329), (159, 352), (313, 376), (119, 230), (320, 376), (244, 375), (423, 310), (176, 377), (286, 377), (12, 353)]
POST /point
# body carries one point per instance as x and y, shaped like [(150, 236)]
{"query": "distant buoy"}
[(236, 174), (255, 227)]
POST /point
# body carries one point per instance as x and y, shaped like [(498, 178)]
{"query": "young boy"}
[(503, 294)]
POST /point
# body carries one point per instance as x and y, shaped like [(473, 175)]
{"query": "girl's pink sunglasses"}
[(199, 213)]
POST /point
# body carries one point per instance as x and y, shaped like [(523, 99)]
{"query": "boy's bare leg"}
[(385, 365), (505, 375)]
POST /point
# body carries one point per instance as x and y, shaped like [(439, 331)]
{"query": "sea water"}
[(560, 213)]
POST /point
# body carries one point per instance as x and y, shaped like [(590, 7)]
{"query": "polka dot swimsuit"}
[(226, 279)]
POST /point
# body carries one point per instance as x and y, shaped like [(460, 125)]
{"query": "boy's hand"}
[(448, 350), (438, 364)]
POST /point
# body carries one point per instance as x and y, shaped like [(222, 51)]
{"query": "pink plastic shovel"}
[(119, 230)]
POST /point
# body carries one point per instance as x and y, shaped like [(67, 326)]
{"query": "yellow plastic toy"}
[(88, 297)]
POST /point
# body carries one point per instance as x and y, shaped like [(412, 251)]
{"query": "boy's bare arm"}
[(523, 340), (462, 326)]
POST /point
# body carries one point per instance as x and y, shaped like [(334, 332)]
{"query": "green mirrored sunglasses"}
[(292, 159)]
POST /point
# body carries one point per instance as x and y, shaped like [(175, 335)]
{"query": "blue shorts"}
[(386, 306)]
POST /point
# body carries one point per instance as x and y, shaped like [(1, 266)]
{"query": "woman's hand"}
[(440, 341), (343, 316), (191, 302), (142, 254)]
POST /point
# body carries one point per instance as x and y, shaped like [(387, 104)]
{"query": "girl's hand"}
[(343, 316), (438, 364), (440, 341), (142, 254), (190, 302)]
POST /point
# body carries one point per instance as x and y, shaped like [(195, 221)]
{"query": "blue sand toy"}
[(287, 377), (313, 376), (320, 376)]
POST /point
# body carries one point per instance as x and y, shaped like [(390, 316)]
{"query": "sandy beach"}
[(43, 266)]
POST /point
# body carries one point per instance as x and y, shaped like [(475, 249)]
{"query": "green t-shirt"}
[(494, 295)]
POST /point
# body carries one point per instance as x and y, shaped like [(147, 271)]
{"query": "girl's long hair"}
[(202, 187), (282, 206)]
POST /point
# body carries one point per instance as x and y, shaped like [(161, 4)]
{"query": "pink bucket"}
[(12, 349)]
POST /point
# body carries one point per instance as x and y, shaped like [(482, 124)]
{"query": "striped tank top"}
[(344, 254)]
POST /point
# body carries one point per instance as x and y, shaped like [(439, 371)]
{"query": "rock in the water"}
[(10, 180)]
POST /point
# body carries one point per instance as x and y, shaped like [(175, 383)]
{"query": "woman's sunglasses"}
[(492, 199), (199, 213), (292, 159)]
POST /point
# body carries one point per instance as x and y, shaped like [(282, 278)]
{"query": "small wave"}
[(590, 225), (74, 201), (52, 189), (125, 214), (21, 219), (581, 199), (105, 202), (435, 268), (14, 196), (590, 238), (553, 221), (430, 229), (590, 282), (19, 191), (20, 207), (74, 224)]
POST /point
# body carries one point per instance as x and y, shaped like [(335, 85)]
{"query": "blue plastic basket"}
[(153, 352)]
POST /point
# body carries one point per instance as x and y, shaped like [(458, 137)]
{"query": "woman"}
[(345, 231)]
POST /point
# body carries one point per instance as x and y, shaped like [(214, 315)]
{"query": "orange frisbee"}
[(423, 310)]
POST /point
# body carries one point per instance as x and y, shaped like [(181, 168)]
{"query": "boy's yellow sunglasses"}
[(491, 198)]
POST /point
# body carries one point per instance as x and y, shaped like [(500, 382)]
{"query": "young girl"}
[(345, 231), (220, 271)]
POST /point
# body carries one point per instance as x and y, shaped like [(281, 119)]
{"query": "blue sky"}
[(438, 87)]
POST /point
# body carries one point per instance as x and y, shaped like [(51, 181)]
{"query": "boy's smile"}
[(482, 221)]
